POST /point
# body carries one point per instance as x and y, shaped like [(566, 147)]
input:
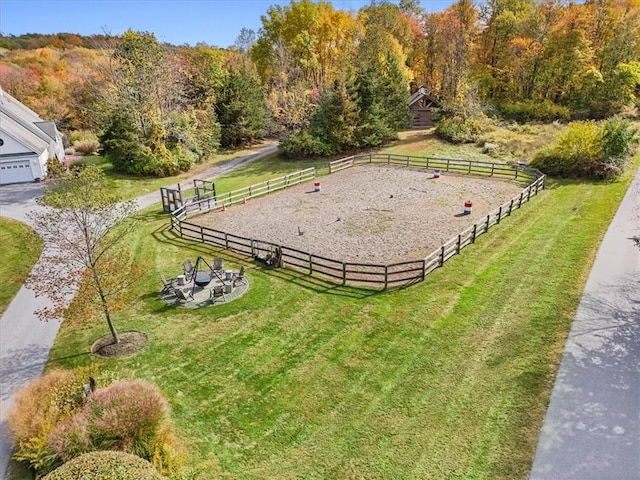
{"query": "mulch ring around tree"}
[(130, 343)]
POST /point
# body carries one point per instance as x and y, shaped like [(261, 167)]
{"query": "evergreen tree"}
[(241, 108)]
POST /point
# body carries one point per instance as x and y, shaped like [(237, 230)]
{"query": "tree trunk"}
[(105, 307), (114, 333)]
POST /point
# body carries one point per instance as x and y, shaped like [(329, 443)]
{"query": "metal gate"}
[(171, 199)]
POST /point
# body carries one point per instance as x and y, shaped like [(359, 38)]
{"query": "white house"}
[(26, 142)]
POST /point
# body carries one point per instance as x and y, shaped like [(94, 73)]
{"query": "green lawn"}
[(130, 186), (20, 250), (447, 379)]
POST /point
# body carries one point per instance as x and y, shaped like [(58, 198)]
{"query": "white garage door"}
[(15, 172)]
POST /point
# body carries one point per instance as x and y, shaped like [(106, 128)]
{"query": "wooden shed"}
[(421, 105)]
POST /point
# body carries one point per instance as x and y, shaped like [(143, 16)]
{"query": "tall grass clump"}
[(84, 142), (38, 408), (106, 465), (54, 421), (130, 416), (589, 150)]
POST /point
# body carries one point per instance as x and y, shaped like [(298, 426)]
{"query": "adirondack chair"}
[(181, 296), (217, 292), (239, 277), (217, 264), (167, 285), (187, 267)]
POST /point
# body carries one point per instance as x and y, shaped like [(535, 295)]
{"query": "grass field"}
[(16, 261), (447, 379)]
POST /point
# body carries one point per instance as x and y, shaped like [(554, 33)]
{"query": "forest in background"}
[(327, 81)]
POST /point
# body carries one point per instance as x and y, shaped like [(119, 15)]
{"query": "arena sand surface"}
[(366, 214)]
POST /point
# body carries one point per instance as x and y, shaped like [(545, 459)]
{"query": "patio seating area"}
[(203, 284)]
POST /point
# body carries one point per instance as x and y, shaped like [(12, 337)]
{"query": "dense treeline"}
[(32, 41), (326, 81)]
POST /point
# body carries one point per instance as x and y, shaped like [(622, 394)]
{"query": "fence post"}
[(488, 220), (442, 255), (344, 273), (386, 276), (510, 207), (529, 193), (459, 242), (268, 186), (252, 250), (447, 164), (310, 264), (427, 164), (226, 241), (469, 169), (492, 166), (499, 213), (250, 192), (407, 160), (370, 158), (424, 270), (473, 235), (520, 201), (388, 159), (516, 171), (201, 234)]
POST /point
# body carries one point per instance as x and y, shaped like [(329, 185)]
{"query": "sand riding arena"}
[(371, 214)]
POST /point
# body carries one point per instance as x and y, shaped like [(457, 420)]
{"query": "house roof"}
[(21, 134), (25, 125)]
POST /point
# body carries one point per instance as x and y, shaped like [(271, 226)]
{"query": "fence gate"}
[(171, 199), (204, 189)]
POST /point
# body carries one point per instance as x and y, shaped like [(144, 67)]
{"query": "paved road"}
[(24, 340), (592, 427)]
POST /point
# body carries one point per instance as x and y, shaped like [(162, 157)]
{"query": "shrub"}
[(304, 144), (82, 135), (55, 168), (126, 416), (580, 145), (457, 128), (534, 110), (588, 150), (38, 407), (86, 147), (77, 166), (106, 465), (618, 136)]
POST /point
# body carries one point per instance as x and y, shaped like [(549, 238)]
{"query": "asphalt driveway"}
[(592, 427)]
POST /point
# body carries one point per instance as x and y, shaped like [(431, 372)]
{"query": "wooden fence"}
[(220, 201), (364, 274), (522, 173)]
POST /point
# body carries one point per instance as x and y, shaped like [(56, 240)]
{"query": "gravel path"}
[(368, 214)]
